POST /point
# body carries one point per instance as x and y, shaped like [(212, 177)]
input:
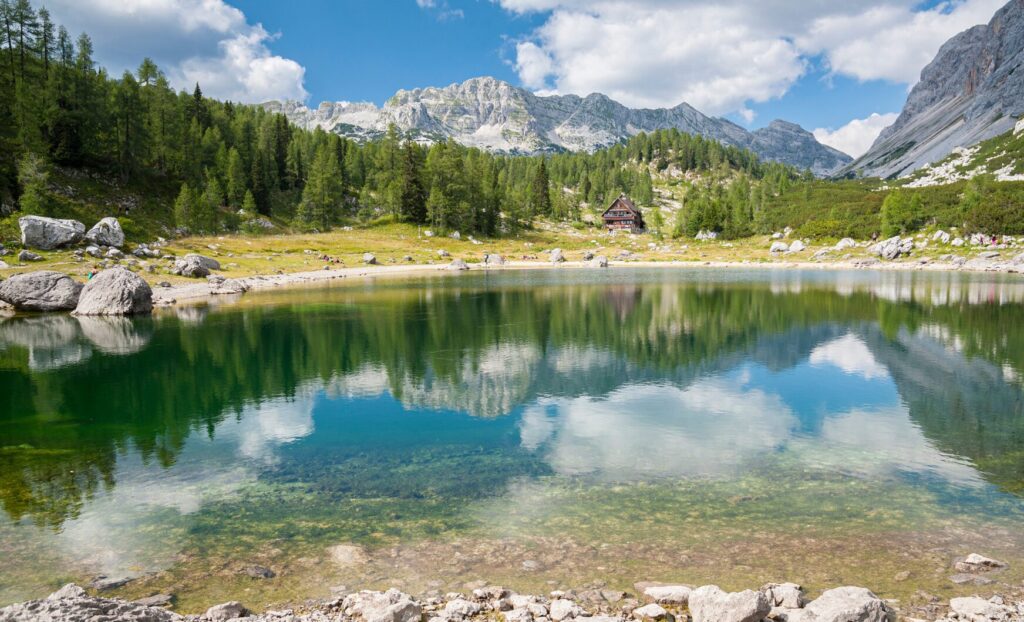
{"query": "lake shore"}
[(649, 602), (190, 292)]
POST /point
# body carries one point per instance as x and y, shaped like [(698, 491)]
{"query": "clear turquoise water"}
[(535, 428)]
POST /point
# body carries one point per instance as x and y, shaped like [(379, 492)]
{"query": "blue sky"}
[(842, 70)]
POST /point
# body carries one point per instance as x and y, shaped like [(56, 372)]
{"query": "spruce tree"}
[(323, 193)]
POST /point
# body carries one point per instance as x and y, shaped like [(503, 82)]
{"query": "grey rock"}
[(847, 604), (458, 265), (778, 247), (116, 291), (229, 286), (389, 606), (557, 256), (226, 611), (208, 262), (797, 246), (588, 255), (49, 233), (564, 609), (710, 604), (460, 608), (971, 91), (107, 232), (893, 247), (652, 611), (27, 255), (113, 253), (369, 259), (599, 262), (41, 291), (347, 555), (191, 266), (93, 251), (494, 259), (71, 604), (787, 595), (845, 243), (537, 124)]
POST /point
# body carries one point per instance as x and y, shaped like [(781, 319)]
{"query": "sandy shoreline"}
[(190, 293)]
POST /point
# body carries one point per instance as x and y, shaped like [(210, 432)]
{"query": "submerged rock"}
[(710, 604), (49, 233), (978, 563), (45, 290), (345, 555), (116, 291)]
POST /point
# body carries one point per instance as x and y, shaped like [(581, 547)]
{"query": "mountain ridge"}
[(970, 92), (496, 116)]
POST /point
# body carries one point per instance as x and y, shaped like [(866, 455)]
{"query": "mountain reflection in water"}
[(453, 405)]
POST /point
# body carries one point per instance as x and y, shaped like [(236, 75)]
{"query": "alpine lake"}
[(537, 429)]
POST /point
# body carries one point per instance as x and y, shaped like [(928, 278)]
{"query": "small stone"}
[(369, 259), (27, 255), (458, 265), (347, 555)]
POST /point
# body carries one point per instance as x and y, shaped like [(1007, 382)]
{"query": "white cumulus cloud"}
[(723, 56), (857, 136), (205, 41)]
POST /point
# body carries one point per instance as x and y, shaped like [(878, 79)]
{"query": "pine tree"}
[(185, 208), (323, 193), (249, 203), (413, 197), (540, 199), (33, 177), (237, 183)]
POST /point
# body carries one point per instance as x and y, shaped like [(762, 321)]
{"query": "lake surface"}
[(539, 429)]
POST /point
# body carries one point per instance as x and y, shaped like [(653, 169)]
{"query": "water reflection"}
[(133, 440)]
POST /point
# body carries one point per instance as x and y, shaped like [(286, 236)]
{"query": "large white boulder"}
[(107, 232), (845, 243), (45, 290), (710, 604), (49, 233), (788, 595), (557, 256), (389, 606), (847, 604), (797, 246), (976, 609), (778, 247), (117, 291)]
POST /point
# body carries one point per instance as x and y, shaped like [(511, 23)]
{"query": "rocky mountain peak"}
[(494, 115), (970, 92)]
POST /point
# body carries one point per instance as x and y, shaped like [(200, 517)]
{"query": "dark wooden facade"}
[(623, 215)]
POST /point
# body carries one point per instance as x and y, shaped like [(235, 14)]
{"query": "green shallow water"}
[(535, 428)]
